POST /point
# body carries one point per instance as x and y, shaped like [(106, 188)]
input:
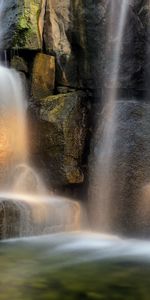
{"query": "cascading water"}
[(15, 173), (102, 182), (77, 265), (25, 207)]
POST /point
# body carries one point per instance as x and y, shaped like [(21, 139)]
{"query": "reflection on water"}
[(74, 266)]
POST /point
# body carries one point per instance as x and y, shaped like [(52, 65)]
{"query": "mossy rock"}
[(61, 136), (27, 31)]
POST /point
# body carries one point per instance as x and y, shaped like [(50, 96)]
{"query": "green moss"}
[(27, 32)]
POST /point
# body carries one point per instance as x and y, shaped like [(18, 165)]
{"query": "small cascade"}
[(13, 140), (26, 179), (26, 206), (26, 215), (102, 182)]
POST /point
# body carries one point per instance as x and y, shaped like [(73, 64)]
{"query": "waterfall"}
[(26, 208), (101, 191)]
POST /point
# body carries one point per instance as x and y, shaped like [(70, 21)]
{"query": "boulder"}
[(43, 76), (57, 23), (27, 33), (19, 64), (60, 136)]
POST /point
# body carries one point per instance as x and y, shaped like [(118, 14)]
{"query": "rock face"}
[(75, 33), (60, 136), (58, 33), (71, 38), (43, 76), (19, 64), (27, 34), (20, 21), (57, 24), (8, 16), (129, 173)]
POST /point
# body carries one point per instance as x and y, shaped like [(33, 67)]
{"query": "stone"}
[(60, 137), (43, 76), (19, 64), (74, 31), (57, 22), (129, 171), (9, 22), (64, 34), (64, 89), (27, 34)]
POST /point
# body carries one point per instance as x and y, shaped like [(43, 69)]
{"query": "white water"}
[(33, 215), (13, 133), (81, 247), (27, 205), (101, 205)]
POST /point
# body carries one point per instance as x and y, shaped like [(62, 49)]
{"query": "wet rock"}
[(27, 34), (9, 22), (61, 136), (75, 32), (57, 22), (28, 216), (64, 89), (64, 34), (43, 76), (19, 64), (129, 172)]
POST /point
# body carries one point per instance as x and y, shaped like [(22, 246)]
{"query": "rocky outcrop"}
[(19, 64), (27, 34), (65, 37), (73, 34), (60, 136), (43, 76)]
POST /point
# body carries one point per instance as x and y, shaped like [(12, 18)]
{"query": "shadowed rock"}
[(60, 140)]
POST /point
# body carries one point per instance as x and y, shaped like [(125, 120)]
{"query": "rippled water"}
[(74, 266)]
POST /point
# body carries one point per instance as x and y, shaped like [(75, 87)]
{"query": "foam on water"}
[(86, 246)]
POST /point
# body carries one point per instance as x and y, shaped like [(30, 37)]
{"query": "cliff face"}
[(59, 49), (45, 42)]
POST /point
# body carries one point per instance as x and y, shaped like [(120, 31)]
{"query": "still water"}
[(74, 266)]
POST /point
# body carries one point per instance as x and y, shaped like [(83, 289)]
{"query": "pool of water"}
[(74, 266)]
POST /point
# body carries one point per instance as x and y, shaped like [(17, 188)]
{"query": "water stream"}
[(102, 182), (26, 205)]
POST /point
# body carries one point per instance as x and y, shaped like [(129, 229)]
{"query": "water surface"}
[(74, 266)]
